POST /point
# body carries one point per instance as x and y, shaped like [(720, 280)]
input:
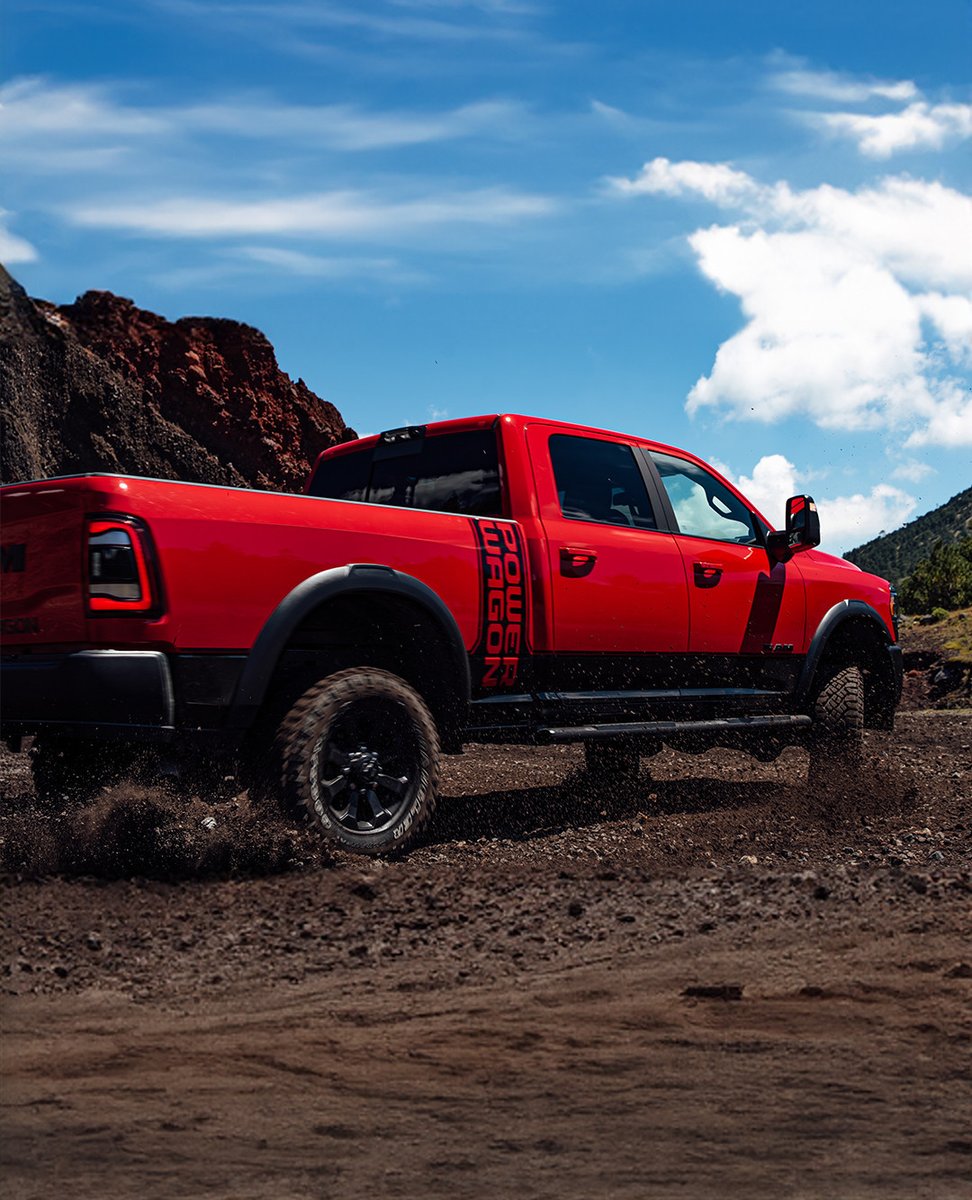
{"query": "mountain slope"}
[(101, 385), (895, 555)]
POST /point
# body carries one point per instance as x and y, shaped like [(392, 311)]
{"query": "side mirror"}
[(802, 529)]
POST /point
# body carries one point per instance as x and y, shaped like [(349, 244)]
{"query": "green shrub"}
[(943, 580)]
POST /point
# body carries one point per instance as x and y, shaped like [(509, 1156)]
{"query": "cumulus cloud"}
[(912, 470), (856, 302), (13, 249), (845, 521), (717, 182), (890, 117), (920, 126), (952, 318)]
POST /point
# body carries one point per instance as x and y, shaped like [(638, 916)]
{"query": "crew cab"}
[(497, 578)]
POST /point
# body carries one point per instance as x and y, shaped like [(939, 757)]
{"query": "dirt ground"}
[(708, 985)]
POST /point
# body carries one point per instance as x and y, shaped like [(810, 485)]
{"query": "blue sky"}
[(745, 229)]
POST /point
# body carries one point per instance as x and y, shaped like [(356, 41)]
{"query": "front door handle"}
[(707, 574), (576, 562)]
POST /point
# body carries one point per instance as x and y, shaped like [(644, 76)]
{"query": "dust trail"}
[(133, 829)]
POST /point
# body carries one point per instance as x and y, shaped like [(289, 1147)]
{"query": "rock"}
[(748, 860), (962, 970), (93, 941), (575, 909), (821, 892), (102, 385)]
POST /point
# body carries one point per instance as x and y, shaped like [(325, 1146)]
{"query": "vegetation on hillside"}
[(938, 661), (943, 580), (897, 555)]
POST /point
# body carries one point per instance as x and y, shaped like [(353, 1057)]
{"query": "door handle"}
[(707, 574), (576, 562)]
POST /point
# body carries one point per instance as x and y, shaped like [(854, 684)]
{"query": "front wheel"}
[(837, 746), (360, 757)]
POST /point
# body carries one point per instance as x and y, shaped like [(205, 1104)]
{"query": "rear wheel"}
[(360, 757), (837, 746)]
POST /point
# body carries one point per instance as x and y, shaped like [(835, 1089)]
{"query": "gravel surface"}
[(711, 982)]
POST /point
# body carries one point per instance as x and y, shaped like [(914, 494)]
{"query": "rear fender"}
[(358, 578)]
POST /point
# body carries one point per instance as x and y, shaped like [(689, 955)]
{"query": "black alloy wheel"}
[(368, 765), (360, 757)]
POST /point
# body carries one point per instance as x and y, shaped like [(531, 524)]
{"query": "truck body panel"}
[(585, 572)]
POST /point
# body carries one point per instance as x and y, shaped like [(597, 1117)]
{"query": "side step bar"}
[(663, 729)]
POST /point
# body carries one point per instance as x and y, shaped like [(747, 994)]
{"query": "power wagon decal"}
[(502, 639)]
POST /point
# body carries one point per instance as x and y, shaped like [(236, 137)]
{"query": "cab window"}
[(703, 506), (599, 481), (456, 473)]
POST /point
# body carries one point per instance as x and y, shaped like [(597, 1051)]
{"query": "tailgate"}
[(42, 601)]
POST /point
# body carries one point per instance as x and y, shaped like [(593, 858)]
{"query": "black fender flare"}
[(843, 610), (362, 578)]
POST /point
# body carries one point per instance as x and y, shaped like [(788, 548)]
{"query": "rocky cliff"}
[(101, 385)]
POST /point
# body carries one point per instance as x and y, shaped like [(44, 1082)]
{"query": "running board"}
[(664, 729)]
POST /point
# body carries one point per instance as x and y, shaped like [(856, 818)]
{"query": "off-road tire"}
[(607, 763), (837, 741), (68, 772), (318, 747)]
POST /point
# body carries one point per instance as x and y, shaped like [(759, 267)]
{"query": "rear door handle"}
[(576, 562), (707, 574)]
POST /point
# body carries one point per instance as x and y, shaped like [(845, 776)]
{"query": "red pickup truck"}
[(499, 578)]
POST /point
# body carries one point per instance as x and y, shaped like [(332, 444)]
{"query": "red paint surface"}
[(227, 557)]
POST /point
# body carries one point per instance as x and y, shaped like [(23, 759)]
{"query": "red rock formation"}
[(103, 385)]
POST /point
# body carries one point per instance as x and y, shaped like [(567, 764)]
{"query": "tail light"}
[(121, 575)]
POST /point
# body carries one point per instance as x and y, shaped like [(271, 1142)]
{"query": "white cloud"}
[(920, 126), (347, 127), (33, 107), (317, 266), (616, 116), (845, 521), (841, 88), (430, 22), (853, 304), (952, 317), (773, 481), (717, 182), (14, 249), (950, 423), (326, 214), (912, 470), (38, 117)]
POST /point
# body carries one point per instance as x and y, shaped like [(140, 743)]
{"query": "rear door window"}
[(600, 481)]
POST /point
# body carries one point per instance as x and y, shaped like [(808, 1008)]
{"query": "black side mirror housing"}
[(802, 529)]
